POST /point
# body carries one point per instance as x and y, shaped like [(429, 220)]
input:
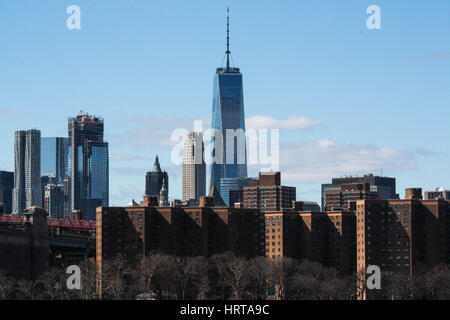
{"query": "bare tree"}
[(25, 290), (191, 273), (88, 281), (257, 275), (281, 271), (231, 271), (113, 284), (51, 285), (149, 270), (432, 283), (6, 286)]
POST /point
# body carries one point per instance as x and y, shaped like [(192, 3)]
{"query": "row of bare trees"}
[(223, 277), (426, 284)]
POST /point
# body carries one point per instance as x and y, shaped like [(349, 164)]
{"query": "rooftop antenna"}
[(228, 39)]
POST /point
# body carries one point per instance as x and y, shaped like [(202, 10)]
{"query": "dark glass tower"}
[(88, 165), (54, 157), (6, 187), (228, 113)]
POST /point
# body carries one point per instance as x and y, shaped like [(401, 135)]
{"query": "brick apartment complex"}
[(268, 194), (135, 231), (324, 237), (398, 235)]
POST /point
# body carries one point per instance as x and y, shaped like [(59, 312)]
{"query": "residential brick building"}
[(135, 231), (400, 235), (324, 237), (268, 194)]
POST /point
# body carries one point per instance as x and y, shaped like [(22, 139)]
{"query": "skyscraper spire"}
[(228, 39), (156, 166)]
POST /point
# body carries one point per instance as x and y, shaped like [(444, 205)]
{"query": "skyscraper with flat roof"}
[(229, 157), (54, 157), (27, 170), (194, 167), (88, 165)]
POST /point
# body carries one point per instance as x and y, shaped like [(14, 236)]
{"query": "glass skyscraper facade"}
[(98, 183), (88, 165), (228, 113), (27, 170), (54, 157)]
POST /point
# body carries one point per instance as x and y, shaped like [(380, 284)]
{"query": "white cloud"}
[(321, 160), (146, 131), (291, 122)]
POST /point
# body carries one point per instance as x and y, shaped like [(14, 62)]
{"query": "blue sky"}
[(365, 100)]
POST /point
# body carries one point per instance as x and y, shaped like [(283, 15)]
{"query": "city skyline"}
[(329, 125)]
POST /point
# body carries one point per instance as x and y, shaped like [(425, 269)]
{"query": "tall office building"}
[(384, 187), (229, 157), (27, 170), (54, 200), (88, 165), (194, 167), (154, 180), (54, 157), (6, 187)]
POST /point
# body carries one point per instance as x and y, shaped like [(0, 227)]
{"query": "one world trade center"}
[(229, 159)]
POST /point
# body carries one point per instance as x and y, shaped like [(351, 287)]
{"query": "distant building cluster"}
[(336, 194), (59, 174)]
